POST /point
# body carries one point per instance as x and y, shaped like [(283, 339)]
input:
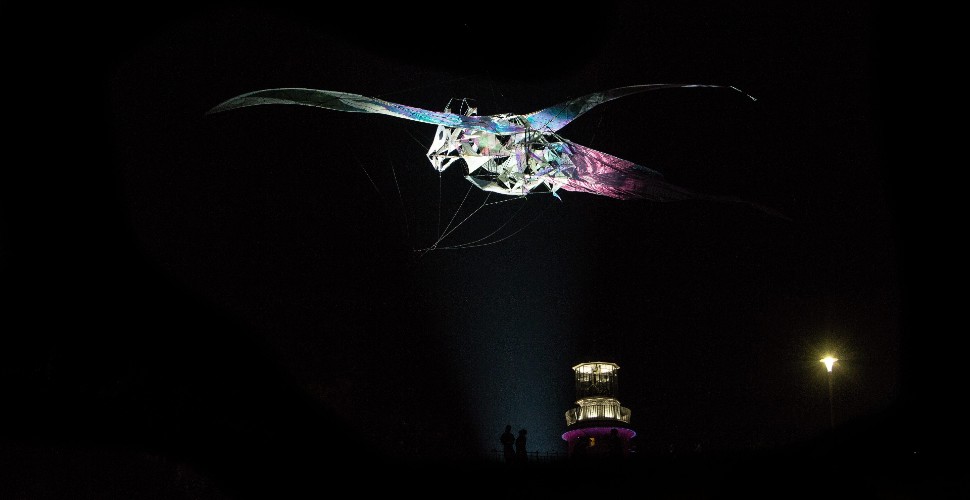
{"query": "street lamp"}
[(829, 362)]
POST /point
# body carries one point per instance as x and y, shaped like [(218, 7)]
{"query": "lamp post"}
[(829, 362)]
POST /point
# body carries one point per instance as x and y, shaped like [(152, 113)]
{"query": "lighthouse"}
[(598, 427)]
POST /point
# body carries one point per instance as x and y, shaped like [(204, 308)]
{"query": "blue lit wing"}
[(558, 116), (353, 103)]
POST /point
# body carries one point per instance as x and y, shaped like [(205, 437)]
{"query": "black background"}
[(231, 306)]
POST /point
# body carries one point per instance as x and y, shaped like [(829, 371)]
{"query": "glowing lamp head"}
[(829, 362)]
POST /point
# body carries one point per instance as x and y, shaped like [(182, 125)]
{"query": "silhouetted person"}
[(520, 453), (614, 445), (580, 448), (508, 443)]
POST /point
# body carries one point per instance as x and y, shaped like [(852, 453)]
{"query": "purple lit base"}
[(592, 441)]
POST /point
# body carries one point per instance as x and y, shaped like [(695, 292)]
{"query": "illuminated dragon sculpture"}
[(510, 154)]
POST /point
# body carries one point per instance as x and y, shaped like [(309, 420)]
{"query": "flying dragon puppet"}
[(510, 154)]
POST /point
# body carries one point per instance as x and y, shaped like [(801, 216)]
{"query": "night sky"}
[(222, 304)]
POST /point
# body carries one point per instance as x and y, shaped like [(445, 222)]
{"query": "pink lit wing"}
[(606, 175)]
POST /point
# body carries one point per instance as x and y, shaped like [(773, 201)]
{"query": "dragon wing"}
[(606, 175), (558, 116), (354, 103), (545, 120), (603, 174)]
